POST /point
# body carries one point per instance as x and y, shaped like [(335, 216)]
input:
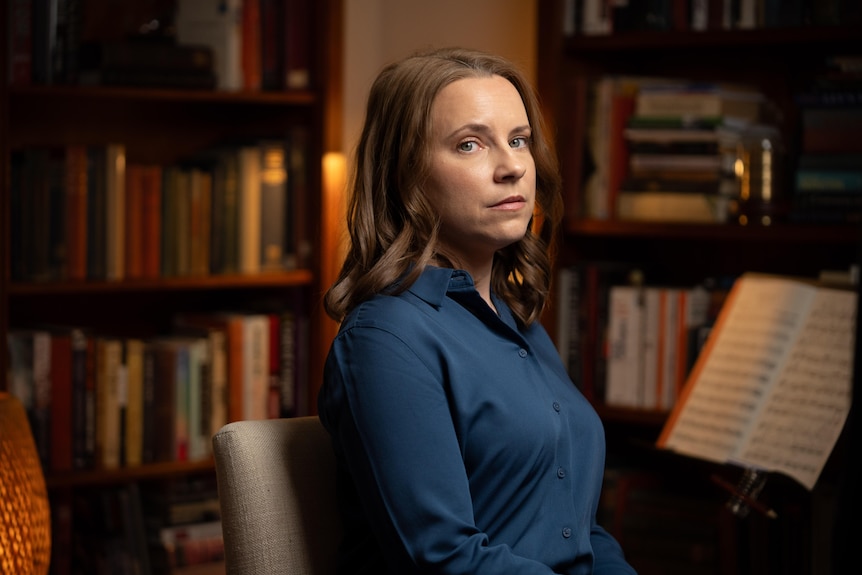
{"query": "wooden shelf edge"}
[(285, 98), (672, 39), (728, 232), (127, 474), (191, 283), (640, 417)]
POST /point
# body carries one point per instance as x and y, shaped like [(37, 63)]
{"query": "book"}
[(61, 402), (20, 43), (672, 206), (251, 45), (695, 101), (110, 398), (273, 206), (133, 365), (29, 372), (151, 218), (115, 211), (134, 210), (771, 389), (249, 200), (217, 25), (297, 49)]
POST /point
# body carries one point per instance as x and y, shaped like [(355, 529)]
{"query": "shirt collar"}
[(435, 282)]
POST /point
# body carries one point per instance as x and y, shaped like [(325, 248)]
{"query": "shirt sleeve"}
[(389, 415), (609, 559)]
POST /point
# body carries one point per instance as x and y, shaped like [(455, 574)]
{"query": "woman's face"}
[(483, 177)]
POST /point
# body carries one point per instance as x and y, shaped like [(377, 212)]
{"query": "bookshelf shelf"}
[(127, 474), (780, 233), (221, 282), (25, 95), (795, 39)]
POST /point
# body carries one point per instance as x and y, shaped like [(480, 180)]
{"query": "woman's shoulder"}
[(389, 312)]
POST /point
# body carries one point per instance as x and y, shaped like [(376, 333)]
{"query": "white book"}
[(625, 345), (651, 346), (255, 362), (668, 344)]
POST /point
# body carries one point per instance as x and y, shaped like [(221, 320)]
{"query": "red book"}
[(274, 404), (151, 222), (251, 45), (297, 30), (61, 403), (134, 256)]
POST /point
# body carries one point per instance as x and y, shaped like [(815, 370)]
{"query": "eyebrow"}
[(483, 128)]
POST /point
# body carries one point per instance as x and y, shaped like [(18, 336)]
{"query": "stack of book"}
[(147, 62), (682, 144)]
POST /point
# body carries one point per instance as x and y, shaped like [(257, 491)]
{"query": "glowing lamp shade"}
[(25, 515)]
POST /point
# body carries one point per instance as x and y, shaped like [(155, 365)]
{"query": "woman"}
[(463, 446)]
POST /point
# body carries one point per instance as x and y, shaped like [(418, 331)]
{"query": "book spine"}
[(61, 403), (20, 45), (273, 206), (297, 54)]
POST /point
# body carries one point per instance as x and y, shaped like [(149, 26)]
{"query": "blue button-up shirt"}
[(463, 446)]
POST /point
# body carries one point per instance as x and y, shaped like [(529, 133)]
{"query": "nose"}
[(511, 165)]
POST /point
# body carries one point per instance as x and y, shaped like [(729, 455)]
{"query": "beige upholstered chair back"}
[(276, 484)]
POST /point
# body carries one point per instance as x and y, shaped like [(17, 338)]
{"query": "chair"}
[(276, 486)]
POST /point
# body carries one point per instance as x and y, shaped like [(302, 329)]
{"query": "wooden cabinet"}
[(165, 126), (783, 63)]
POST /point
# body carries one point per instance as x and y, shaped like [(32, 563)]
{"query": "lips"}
[(511, 201)]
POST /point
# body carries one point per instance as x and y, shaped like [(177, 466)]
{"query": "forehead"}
[(478, 99)]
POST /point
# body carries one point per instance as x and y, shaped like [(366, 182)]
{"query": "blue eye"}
[(520, 142), (467, 146)]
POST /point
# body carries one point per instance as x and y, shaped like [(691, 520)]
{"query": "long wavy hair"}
[(393, 227)]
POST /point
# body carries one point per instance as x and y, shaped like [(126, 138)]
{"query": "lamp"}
[(25, 515)]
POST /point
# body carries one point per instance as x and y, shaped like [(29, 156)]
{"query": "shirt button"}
[(567, 532), (561, 472), (556, 406), (522, 352)]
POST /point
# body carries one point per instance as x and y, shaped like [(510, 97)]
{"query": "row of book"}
[(667, 149), (828, 177), (171, 527), (193, 44), (100, 401), (80, 212), (627, 343), (597, 17)]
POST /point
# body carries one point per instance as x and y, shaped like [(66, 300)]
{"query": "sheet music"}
[(809, 403), (753, 373)]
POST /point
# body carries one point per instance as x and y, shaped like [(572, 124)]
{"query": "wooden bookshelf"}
[(781, 62), (167, 126)]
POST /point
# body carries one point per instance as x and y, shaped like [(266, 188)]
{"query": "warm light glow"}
[(333, 226), (25, 517), (766, 175), (334, 183)]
